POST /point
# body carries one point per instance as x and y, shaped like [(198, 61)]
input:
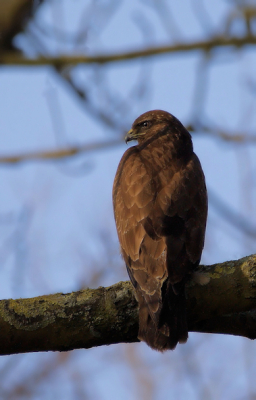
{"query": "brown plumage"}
[(160, 207)]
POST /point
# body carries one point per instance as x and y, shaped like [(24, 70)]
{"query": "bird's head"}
[(148, 124)]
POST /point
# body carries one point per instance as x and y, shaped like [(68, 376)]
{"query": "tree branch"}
[(75, 150), (60, 61), (224, 303), (58, 153), (14, 15)]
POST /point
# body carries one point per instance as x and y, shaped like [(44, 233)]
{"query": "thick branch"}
[(61, 61), (226, 303)]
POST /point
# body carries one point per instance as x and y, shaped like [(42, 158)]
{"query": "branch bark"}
[(221, 299)]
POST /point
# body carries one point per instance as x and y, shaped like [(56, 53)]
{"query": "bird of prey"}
[(160, 208)]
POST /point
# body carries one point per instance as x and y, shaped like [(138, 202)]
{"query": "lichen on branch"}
[(221, 298)]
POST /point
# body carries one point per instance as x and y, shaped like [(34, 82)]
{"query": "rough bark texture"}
[(83, 319), (225, 303)]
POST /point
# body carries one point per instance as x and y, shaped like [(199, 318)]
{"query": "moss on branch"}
[(221, 299)]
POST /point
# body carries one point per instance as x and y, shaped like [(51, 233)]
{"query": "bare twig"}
[(60, 61), (71, 151), (219, 133), (233, 217), (59, 153)]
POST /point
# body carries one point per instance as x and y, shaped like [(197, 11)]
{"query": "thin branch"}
[(220, 299), (59, 153), (233, 217), (216, 132), (60, 61), (75, 150)]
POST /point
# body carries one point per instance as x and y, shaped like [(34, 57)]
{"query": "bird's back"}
[(160, 207)]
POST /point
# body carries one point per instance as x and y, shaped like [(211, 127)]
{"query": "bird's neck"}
[(175, 147)]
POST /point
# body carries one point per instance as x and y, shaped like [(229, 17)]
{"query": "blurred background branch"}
[(75, 150), (61, 61), (111, 60)]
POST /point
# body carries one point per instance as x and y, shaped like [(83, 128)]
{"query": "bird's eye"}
[(143, 124)]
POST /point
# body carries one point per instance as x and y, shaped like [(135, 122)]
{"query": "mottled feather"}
[(160, 207)]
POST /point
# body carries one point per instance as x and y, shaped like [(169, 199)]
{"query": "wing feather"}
[(160, 210)]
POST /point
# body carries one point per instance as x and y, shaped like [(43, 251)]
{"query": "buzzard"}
[(160, 207)]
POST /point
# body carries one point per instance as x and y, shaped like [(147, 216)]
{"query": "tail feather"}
[(172, 322)]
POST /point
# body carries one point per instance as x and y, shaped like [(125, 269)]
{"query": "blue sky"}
[(57, 230)]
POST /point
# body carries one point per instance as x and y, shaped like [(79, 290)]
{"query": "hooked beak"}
[(129, 136)]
